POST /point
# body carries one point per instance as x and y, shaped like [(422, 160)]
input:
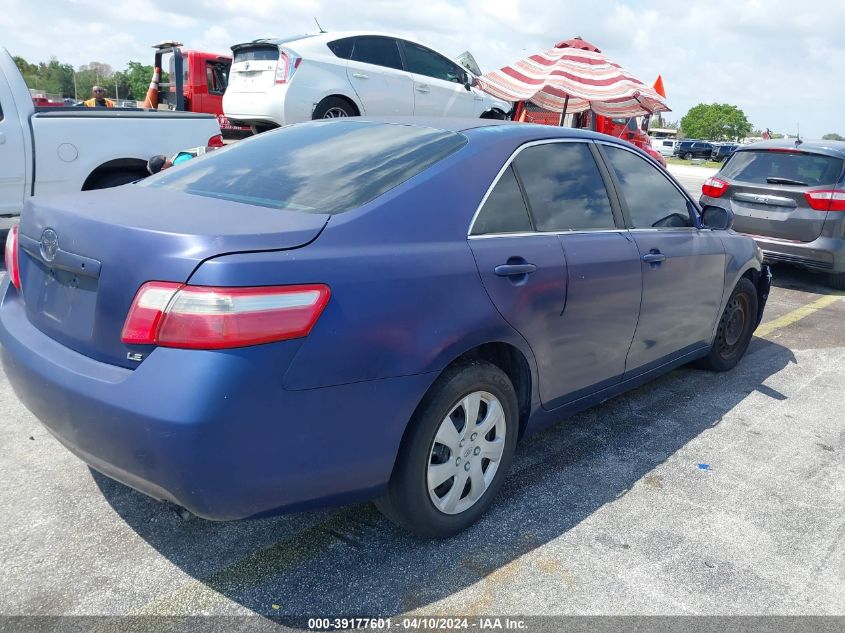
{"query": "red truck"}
[(197, 81), (626, 129)]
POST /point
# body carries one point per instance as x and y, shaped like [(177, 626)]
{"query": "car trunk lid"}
[(767, 189), (253, 67), (83, 257)]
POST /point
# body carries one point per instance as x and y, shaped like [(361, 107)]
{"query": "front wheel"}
[(456, 452), (736, 326), (688, 156)]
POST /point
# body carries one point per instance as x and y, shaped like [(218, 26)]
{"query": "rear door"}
[(377, 75), (766, 190), (12, 154), (253, 68), (577, 301), (439, 84), (683, 268)]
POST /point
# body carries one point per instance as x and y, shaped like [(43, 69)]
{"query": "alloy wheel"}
[(466, 452)]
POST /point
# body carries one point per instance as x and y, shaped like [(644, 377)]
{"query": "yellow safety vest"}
[(92, 103)]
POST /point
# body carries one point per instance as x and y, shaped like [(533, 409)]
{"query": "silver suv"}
[(789, 196)]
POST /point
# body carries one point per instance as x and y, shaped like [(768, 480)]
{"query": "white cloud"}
[(780, 61)]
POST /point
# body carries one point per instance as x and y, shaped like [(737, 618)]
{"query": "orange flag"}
[(658, 86)]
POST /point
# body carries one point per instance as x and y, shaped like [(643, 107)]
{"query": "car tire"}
[(688, 156), (110, 179), (333, 108), (736, 327), (836, 281), (439, 443)]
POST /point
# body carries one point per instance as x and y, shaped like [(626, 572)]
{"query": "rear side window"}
[(758, 166), (425, 62), (653, 202), (342, 48), (381, 51), (564, 187), (504, 210), (257, 53), (317, 167)]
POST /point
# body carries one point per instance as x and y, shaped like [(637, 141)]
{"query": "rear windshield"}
[(316, 167), (257, 53), (757, 166)]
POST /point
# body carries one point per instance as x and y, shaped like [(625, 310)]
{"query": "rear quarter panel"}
[(406, 295), (70, 145)]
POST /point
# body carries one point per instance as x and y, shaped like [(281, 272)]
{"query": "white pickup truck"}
[(59, 150)]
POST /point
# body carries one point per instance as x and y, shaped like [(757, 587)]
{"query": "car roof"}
[(830, 148), (512, 129)]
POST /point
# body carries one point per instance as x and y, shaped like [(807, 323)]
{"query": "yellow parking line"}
[(799, 313)]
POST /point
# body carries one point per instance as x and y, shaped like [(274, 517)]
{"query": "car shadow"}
[(352, 561), (798, 279)]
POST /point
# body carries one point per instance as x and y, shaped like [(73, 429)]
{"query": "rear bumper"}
[(214, 432), (824, 254), (278, 105)]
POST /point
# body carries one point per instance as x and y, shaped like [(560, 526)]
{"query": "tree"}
[(832, 136), (715, 122), (138, 78)]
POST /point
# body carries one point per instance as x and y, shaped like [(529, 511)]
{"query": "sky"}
[(781, 61)]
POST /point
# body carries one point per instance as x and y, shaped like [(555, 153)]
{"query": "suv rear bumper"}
[(824, 254)]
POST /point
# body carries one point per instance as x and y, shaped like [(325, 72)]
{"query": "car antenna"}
[(319, 27), (798, 140)]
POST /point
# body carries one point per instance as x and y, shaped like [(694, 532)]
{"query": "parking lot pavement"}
[(691, 177), (699, 493)]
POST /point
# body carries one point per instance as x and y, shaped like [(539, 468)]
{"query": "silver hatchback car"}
[(789, 196)]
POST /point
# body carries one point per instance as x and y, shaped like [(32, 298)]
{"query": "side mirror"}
[(469, 81), (716, 218)]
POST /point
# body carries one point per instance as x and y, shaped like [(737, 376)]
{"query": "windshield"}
[(317, 167), (759, 166)]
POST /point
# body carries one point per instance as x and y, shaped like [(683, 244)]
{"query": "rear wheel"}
[(333, 108), (836, 280), (736, 326), (110, 179), (456, 452)]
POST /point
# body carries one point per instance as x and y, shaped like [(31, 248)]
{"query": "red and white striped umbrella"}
[(578, 70)]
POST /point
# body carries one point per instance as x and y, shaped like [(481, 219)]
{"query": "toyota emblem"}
[(49, 245)]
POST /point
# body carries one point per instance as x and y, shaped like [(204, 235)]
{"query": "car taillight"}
[(714, 187), (215, 141), (12, 266), (826, 200), (286, 66), (205, 317)]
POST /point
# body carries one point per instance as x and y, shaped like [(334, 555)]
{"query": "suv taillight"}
[(286, 66), (714, 187), (826, 200), (12, 266), (216, 141), (205, 317)]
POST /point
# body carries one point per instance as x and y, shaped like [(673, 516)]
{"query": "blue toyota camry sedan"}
[(363, 309)]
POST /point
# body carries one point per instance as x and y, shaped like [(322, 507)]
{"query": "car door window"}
[(504, 210), (564, 187), (342, 48), (380, 51), (652, 200), (422, 61)]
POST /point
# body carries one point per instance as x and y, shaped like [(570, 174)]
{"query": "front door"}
[(683, 268)]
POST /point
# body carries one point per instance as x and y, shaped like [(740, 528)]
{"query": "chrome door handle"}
[(360, 76), (423, 88), (654, 257), (509, 270)]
